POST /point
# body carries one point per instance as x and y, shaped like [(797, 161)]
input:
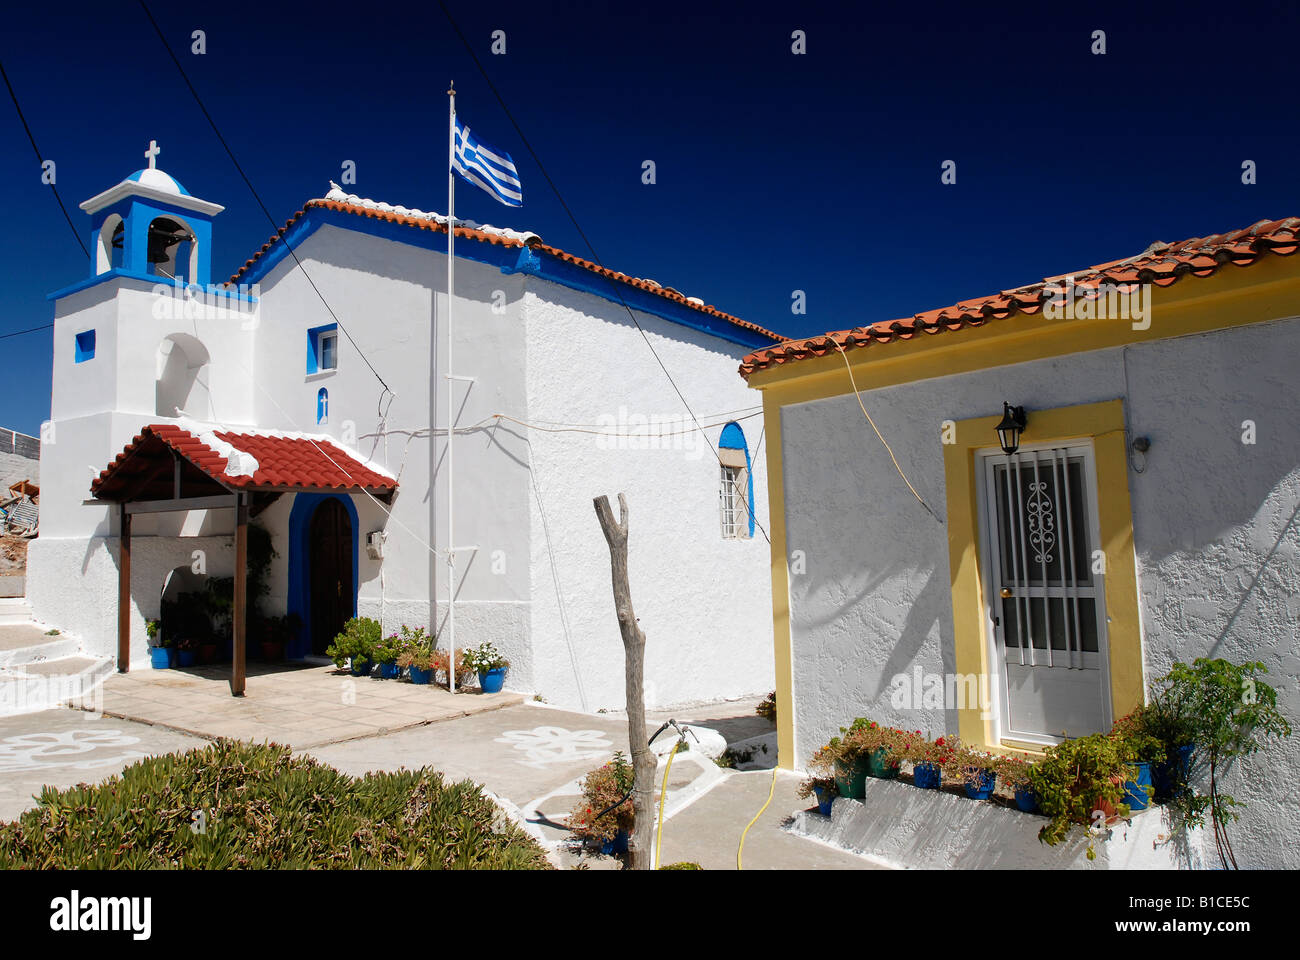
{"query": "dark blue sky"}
[(775, 172)]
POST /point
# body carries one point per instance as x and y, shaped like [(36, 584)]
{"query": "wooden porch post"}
[(240, 611), (124, 591)]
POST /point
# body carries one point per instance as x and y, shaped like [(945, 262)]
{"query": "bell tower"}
[(150, 227)]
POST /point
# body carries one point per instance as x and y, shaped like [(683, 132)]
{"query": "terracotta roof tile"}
[(497, 239), (1161, 264), (283, 460)]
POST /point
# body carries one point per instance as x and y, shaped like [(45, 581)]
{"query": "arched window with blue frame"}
[(736, 484), (322, 406)]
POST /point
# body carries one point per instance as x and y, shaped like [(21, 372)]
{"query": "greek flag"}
[(486, 166)]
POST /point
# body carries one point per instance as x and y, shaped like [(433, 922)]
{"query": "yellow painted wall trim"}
[(782, 646), (1104, 424)]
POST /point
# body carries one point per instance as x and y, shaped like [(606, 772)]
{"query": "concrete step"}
[(26, 643), (15, 610), (74, 681)]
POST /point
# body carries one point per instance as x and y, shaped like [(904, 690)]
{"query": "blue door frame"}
[(299, 599)]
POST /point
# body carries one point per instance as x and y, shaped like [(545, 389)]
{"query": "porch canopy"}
[(177, 467)]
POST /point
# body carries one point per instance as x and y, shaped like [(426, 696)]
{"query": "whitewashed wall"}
[(1215, 523), (703, 602)]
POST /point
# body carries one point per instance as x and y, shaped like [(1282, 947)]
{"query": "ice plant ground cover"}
[(233, 805)]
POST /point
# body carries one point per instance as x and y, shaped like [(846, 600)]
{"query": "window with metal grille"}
[(731, 500)]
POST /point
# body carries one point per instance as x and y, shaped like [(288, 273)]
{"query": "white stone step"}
[(74, 681), (15, 610)]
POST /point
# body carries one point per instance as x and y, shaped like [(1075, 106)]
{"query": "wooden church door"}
[(331, 573)]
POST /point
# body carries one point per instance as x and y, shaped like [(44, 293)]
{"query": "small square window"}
[(323, 348), (85, 347)]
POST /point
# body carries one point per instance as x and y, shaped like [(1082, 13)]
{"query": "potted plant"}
[(385, 653), (823, 788), (927, 758), (417, 655), (976, 770), (463, 671), (1233, 714), (352, 647), (1146, 751), (1081, 782), (867, 742), (161, 655), (604, 813), (487, 662), (187, 651), (1013, 775), (1169, 716)]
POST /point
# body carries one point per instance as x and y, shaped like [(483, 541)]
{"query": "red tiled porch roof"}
[(283, 461), (1161, 264)]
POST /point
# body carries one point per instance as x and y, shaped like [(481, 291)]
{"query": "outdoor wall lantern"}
[(1009, 430)]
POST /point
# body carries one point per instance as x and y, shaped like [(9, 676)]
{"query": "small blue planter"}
[(161, 657), (361, 668), (825, 800), (389, 671), (1135, 791), (493, 680), (420, 676), (927, 776), (981, 784), (186, 658), (1026, 802), (1170, 778), (616, 846)]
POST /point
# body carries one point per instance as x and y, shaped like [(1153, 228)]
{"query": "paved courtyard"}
[(294, 704)]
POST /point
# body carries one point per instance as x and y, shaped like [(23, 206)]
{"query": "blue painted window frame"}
[(315, 360), (85, 346), (733, 438)]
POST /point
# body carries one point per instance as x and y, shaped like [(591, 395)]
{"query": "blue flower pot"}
[(389, 671), (161, 657), (1135, 791), (186, 658), (927, 776), (1026, 801), (493, 680), (420, 676), (1170, 778), (981, 784), (360, 668), (825, 800), (618, 845)]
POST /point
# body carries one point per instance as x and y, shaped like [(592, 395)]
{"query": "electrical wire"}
[(41, 163), (888, 449), (19, 333)]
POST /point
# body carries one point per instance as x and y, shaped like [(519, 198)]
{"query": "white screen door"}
[(1046, 598)]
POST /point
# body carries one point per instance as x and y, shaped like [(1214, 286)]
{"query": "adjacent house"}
[(1151, 512), (308, 395)]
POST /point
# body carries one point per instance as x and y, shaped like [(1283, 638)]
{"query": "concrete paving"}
[(531, 757), (63, 748), (294, 704), (19, 636)]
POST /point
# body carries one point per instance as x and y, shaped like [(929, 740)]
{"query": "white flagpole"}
[(451, 510)]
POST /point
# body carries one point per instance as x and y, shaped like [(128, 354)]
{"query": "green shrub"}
[(683, 865), (359, 638), (233, 805)]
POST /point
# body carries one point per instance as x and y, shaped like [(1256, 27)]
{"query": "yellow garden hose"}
[(663, 795), (770, 791)]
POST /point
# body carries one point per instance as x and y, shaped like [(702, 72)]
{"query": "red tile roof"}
[(421, 223), (282, 461), (1160, 264)]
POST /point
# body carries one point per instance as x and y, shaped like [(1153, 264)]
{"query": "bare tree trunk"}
[(643, 758)]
